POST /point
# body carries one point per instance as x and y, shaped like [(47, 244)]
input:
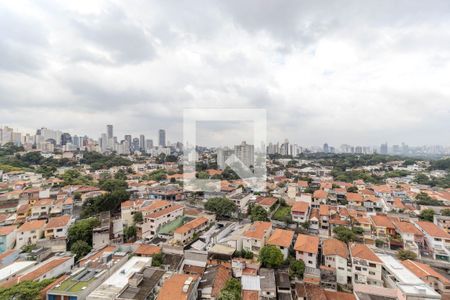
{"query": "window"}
[(372, 265), (358, 268), (310, 254), (371, 273)]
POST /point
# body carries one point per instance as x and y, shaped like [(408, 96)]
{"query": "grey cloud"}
[(114, 33)]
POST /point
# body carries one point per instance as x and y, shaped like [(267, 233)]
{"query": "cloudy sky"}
[(358, 72)]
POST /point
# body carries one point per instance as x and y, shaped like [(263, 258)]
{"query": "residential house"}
[(307, 249), (57, 227), (50, 268), (213, 281), (319, 197), (383, 226), (267, 284), (411, 236), (282, 239), (336, 255), (29, 233), (429, 275), (366, 266), (266, 202), (7, 237), (409, 286), (153, 221), (180, 287), (355, 199), (41, 208), (300, 211), (437, 240), (186, 232), (324, 220), (314, 220), (256, 236)]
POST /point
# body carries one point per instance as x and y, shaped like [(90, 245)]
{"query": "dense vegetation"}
[(222, 207), (26, 290), (100, 161), (232, 290)]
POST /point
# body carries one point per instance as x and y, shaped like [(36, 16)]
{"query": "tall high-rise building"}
[(142, 142), (326, 148), (222, 155), (162, 138), (149, 144), (135, 144), (384, 148), (245, 153), (110, 132)]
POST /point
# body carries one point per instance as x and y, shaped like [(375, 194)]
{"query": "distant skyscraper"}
[(245, 153), (326, 149), (222, 155), (129, 139), (135, 144), (162, 138), (149, 144), (142, 142), (384, 148), (109, 130)]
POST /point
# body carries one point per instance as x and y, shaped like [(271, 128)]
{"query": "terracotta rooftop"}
[(5, 230), (197, 222), (281, 237), (354, 197), (407, 227), (258, 229), (422, 271), (57, 222), (300, 206), (335, 247), (320, 194), (433, 230), (382, 221), (266, 201), (155, 205), (363, 252), (173, 287), (32, 225), (147, 250), (307, 243), (165, 211), (324, 210)]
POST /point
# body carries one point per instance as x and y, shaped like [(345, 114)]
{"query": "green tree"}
[(296, 268), (425, 199), (270, 256), (112, 185), (406, 254), (130, 232), (120, 175), (222, 207), (74, 177), (25, 290), (445, 212), (258, 213), (157, 260), (82, 231), (80, 248), (344, 234), (352, 189), (137, 217), (427, 215), (232, 290)]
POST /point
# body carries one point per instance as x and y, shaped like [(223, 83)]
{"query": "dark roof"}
[(151, 278), (282, 280)]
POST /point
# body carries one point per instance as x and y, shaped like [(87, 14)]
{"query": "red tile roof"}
[(307, 243)]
